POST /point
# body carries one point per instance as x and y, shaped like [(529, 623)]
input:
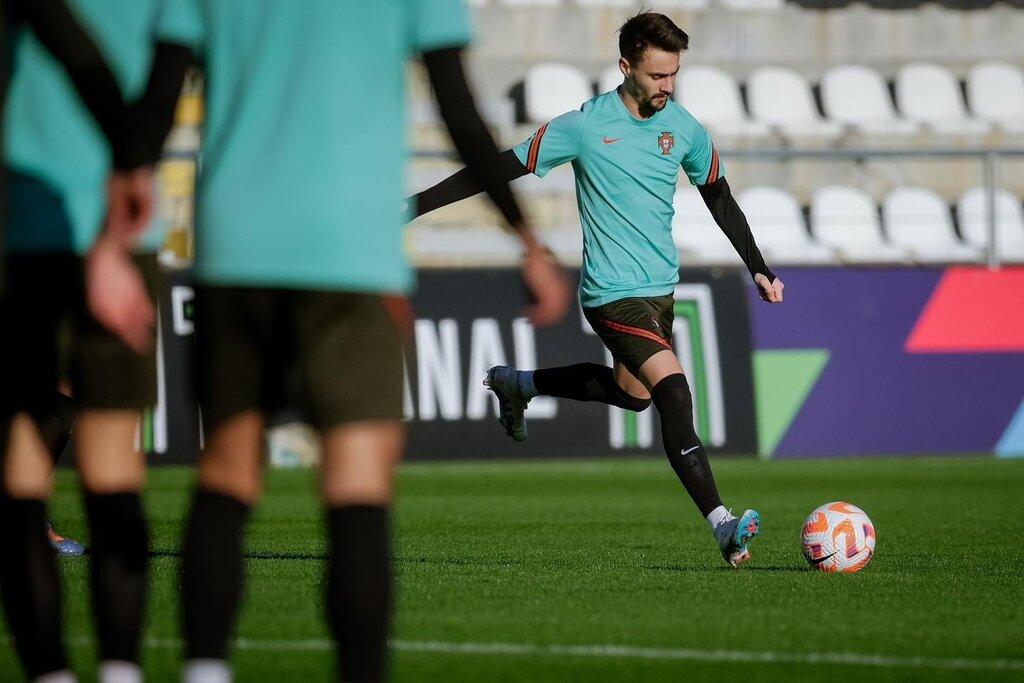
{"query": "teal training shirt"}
[(626, 173), (302, 176), (59, 156)]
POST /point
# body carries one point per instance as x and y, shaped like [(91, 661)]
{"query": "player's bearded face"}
[(652, 80)]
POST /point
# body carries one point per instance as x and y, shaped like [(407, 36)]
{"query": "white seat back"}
[(780, 96), (774, 215), (917, 217), (928, 92), (995, 91), (693, 227), (845, 217), (611, 78), (551, 89), (972, 213), (855, 94), (710, 94)]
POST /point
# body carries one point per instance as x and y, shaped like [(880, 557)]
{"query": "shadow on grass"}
[(715, 570), (257, 555)]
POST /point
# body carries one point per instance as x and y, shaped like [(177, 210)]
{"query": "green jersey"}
[(626, 174), (304, 142), (59, 156)]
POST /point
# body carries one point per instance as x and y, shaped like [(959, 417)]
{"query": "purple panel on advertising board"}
[(873, 397)]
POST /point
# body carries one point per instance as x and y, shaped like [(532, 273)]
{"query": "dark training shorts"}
[(344, 349), (634, 329), (48, 333)]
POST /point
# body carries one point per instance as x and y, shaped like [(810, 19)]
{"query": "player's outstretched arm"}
[(489, 171), (727, 213), (463, 184), (468, 131)]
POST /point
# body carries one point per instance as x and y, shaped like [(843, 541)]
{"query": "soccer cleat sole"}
[(504, 404)]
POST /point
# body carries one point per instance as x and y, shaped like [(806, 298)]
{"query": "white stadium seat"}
[(779, 227), (713, 97), (930, 94), (995, 92), (552, 89), (858, 96), (972, 213), (611, 78), (919, 219), (847, 219), (781, 97), (695, 232)]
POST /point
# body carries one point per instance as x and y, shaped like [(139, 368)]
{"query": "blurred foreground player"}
[(298, 240)]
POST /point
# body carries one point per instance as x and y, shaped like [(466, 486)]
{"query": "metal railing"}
[(989, 158)]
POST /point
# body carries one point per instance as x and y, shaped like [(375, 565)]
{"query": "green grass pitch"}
[(604, 571)]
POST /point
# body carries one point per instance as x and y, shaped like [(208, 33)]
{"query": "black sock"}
[(30, 587), (212, 573), (586, 382), (682, 445), (359, 589), (118, 571)]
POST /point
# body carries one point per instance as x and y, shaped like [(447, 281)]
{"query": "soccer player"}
[(627, 147), (61, 164), (298, 238)]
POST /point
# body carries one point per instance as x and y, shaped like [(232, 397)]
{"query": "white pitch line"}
[(630, 652), (617, 652)]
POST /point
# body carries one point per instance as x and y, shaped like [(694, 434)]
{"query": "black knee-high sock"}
[(359, 589), (30, 586), (586, 382), (119, 571), (212, 573), (682, 445)]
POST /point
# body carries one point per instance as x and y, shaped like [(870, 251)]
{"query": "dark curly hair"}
[(650, 29)]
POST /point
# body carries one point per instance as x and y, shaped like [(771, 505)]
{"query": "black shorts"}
[(48, 334), (634, 329), (337, 354)]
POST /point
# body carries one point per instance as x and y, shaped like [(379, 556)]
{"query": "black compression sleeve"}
[(727, 213), (151, 117), (469, 134), (464, 184), (58, 30)]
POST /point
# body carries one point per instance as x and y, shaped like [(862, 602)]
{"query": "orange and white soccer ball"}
[(838, 537)]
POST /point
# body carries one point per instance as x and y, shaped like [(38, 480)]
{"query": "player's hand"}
[(117, 295), (548, 286), (129, 203), (769, 291)]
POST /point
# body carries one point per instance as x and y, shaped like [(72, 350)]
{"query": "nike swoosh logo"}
[(818, 560), (608, 141), (689, 450)]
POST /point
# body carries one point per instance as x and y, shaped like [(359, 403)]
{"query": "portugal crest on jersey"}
[(665, 142)]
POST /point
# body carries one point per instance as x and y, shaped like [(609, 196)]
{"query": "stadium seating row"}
[(914, 225), (928, 97)]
